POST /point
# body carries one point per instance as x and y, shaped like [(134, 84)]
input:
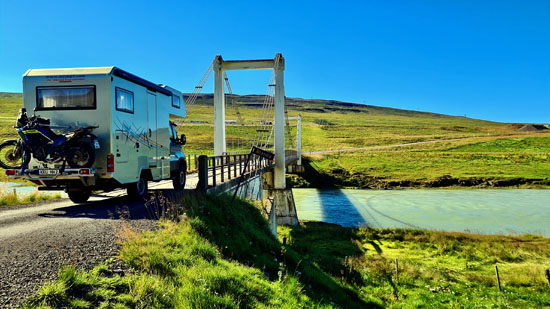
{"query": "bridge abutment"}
[(283, 211), (284, 206)]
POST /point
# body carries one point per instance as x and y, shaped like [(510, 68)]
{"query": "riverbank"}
[(349, 171), (221, 253), (11, 195)]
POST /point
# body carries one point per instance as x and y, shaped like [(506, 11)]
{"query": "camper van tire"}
[(180, 176), (138, 190), (80, 196)]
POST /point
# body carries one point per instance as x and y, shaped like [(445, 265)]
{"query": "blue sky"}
[(483, 59)]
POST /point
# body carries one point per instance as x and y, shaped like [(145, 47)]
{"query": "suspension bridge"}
[(260, 173)]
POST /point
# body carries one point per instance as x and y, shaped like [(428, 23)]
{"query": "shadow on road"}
[(120, 207)]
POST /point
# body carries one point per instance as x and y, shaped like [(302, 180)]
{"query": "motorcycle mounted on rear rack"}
[(75, 148)]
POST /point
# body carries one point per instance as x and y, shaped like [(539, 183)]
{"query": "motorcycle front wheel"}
[(10, 155), (81, 156)]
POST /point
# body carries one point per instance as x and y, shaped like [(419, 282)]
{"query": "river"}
[(485, 211), (8, 187)]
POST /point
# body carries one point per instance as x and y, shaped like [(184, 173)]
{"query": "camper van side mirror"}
[(183, 139)]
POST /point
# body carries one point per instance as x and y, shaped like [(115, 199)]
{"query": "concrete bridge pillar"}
[(283, 210), (219, 108)]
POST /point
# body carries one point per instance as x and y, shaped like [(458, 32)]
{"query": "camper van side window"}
[(124, 100), (65, 97), (176, 101)]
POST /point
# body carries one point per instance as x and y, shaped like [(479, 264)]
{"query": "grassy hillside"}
[(471, 152), (326, 124), (221, 254), (10, 103), (481, 162), (335, 125)]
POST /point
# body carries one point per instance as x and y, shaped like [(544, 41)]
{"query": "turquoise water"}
[(8, 187), (513, 211)]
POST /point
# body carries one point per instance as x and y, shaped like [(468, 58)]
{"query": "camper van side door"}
[(152, 130)]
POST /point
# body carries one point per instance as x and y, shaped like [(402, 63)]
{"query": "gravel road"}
[(36, 241)]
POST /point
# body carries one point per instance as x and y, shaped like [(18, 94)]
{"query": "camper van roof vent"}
[(140, 81)]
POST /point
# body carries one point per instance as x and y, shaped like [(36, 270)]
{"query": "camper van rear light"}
[(10, 172), (110, 163), (84, 171)]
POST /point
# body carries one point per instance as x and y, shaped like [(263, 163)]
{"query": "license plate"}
[(96, 144), (48, 172)]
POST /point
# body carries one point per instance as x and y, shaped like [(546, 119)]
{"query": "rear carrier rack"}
[(86, 175)]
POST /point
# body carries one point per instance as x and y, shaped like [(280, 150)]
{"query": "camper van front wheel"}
[(138, 190), (179, 179)]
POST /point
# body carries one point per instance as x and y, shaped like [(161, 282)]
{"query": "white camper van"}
[(137, 141)]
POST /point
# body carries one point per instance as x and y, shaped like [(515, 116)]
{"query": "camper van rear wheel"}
[(138, 190), (179, 179), (79, 196)]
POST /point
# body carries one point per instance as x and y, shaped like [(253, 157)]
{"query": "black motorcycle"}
[(76, 148)]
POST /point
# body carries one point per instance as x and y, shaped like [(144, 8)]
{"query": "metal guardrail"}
[(215, 170)]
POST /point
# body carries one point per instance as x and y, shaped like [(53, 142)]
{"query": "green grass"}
[(9, 197), (500, 162), (222, 255), (509, 145), (436, 269), (10, 103)]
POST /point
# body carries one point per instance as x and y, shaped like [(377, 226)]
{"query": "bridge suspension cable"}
[(235, 106), (262, 137), (193, 97)]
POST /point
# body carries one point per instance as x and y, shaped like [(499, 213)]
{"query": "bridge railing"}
[(192, 161), (215, 170), (291, 155)]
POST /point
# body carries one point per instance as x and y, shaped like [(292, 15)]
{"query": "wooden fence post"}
[(396, 271), (498, 278)]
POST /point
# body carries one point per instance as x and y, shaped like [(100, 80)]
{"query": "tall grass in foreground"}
[(10, 197), (220, 254)]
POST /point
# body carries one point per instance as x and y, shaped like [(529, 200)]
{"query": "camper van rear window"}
[(176, 101), (68, 97), (124, 100)]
